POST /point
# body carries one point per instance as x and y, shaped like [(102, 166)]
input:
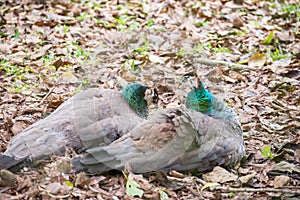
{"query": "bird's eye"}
[(154, 95)]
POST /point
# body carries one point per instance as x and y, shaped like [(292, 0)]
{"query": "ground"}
[(246, 52)]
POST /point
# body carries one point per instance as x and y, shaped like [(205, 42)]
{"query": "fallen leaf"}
[(280, 66), (285, 36), (163, 195), (54, 188), (219, 175), (257, 60), (66, 78), (155, 59), (60, 63), (296, 49), (82, 179), (64, 167), (133, 189), (247, 178), (238, 22), (286, 167), (266, 152), (280, 181), (7, 179)]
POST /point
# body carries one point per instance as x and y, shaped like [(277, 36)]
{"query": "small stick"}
[(44, 98), (231, 189), (233, 66)]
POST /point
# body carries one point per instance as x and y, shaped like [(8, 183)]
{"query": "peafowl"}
[(198, 136), (93, 117)]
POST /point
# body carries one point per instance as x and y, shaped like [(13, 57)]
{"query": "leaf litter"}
[(247, 54)]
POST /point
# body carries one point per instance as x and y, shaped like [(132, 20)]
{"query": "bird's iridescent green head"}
[(134, 94), (199, 99)]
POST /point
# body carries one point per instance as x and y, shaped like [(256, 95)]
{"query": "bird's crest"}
[(199, 99)]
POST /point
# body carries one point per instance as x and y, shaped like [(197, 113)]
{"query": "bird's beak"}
[(151, 96)]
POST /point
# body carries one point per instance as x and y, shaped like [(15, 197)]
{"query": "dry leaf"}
[(247, 178), (155, 59), (219, 175), (257, 60), (7, 179), (280, 181)]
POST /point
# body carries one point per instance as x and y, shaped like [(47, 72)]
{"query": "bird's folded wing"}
[(153, 145)]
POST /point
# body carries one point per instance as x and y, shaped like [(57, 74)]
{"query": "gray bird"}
[(91, 118), (198, 136)]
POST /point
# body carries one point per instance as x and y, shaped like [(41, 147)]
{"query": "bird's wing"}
[(177, 138), (221, 143), (154, 144)]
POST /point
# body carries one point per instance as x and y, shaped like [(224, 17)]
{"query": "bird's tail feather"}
[(7, 162)]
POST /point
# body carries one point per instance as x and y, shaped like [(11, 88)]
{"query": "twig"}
[(44, 98), (31, 110), (231, 189), (277, 190), (233, 66)]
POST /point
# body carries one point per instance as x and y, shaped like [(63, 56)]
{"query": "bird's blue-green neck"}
[(203, 101), (134, 94), (200, 100)]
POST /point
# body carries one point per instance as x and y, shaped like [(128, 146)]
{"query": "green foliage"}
[(74, 50), (16, 34), (3, 35), (122, 22), (231, 195), (291, 10), (269, 39), (150, 23), (277, 55), (82, 16), (132, 189), (266, 152), (219, 49), (62, 29), (20, 88), (134, 68), (10, 69), (181, 52), (163, 195), (105, 24), (68, 183), (254, 24), (244, 32), (202, 23), (142, 49), (209, 185)]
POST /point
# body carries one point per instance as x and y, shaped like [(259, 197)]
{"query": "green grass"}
[(142, 49), (10, 69), (62, 29)]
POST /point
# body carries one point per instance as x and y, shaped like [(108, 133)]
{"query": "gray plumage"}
[(94, 117), (177, 138)]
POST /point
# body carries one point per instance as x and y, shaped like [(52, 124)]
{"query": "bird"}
[(93, 117), (197, 136)]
